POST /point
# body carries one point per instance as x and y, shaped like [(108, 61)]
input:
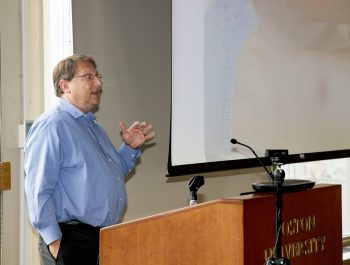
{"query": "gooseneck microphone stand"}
[(277, 178)]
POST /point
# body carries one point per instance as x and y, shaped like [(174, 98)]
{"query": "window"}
[(47, 38), (334, 171), (58, 40)]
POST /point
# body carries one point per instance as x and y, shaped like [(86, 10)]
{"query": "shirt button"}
[(132, 155), (109, 159)]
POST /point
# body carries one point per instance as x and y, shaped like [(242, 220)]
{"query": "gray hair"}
[(65, 69)]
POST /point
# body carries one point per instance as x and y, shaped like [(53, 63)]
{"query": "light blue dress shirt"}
[(73, 171)]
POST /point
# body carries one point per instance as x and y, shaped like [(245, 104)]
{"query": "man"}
[(74, 176)]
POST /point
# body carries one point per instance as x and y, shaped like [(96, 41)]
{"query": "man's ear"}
[(64, 85)]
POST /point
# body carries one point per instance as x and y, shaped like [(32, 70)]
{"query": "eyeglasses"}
[(90, 77)]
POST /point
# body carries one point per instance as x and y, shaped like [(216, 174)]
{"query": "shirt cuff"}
[(51, 234), (128, 151)]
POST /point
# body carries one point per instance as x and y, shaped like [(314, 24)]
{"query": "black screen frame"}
[(199, 168)]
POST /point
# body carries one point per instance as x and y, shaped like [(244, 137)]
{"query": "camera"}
[(277, 156)]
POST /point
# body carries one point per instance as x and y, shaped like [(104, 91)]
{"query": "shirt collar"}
[(73, 110)]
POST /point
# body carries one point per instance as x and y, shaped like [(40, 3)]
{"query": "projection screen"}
[(272, 74)]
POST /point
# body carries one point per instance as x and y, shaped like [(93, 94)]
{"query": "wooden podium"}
[(235, 231)]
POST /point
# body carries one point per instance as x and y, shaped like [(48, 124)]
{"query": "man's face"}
[(84, 90)]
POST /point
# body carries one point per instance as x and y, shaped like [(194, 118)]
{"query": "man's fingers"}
[(147, 129), (122, 126), (143, 127), (136, 124), (150, 136)]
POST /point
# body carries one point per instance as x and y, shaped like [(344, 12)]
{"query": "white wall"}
[(12, 115)]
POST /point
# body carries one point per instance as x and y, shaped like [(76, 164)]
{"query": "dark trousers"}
[(79, 245)]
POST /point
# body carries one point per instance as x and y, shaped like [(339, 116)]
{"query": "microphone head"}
[(233, 141)]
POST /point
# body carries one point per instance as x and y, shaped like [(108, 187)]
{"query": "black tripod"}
[(278, 158), (277, 179)]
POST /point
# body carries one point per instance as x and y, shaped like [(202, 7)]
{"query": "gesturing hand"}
[(137, 134)]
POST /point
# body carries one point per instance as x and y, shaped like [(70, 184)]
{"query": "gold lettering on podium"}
[(303, 247), (297, 225)]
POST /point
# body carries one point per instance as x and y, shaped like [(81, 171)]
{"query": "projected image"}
[(273, 74), (227, 27), (292, 81)]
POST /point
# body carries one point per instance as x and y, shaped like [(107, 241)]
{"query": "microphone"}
[(194, 184), (278, 157), (234, 141)]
